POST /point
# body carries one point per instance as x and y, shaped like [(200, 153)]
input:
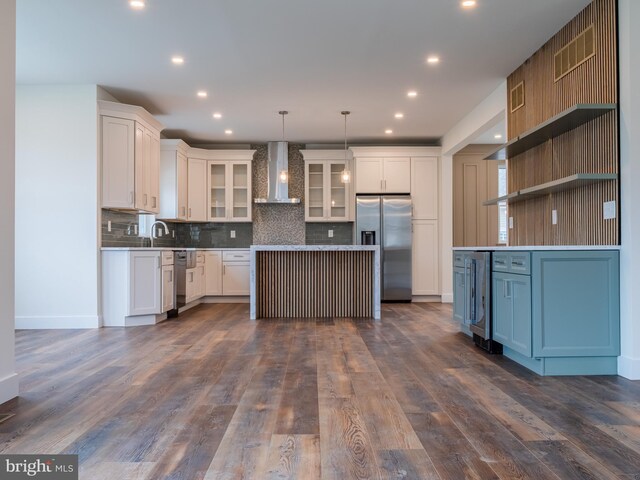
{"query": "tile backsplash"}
[(318, 233)]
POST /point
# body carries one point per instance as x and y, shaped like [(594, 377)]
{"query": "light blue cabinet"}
[(511, 296), (576, 305), (458, 294)]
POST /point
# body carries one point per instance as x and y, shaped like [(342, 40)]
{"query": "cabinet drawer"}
[(520, 262), (458, 259), (235, 256), (512, 262), (500, 262), (167, 258)]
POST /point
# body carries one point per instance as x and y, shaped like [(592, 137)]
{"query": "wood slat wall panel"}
[(591, 148), (311, 284)]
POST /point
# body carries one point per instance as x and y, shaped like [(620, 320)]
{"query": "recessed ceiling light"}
[(433, 60), (177, 60), (202, 94), (497, 135), (468, 3), (136, 4), (217, 115), (228, 132), (388, 131), (412, 94), (399, 115)]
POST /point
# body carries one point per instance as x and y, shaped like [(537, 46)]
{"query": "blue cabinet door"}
[(458, 294), (519, 289), (512, 311), (576, 308), (502, 313)]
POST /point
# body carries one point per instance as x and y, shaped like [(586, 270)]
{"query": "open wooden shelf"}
[(562, 184), (563, 122)]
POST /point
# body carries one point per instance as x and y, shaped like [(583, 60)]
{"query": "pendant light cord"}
[(345, 113)]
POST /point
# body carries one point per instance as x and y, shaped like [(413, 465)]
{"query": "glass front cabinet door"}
[(229, 191), (327, 198)]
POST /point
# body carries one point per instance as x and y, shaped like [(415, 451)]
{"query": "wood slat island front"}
[(308, 281)]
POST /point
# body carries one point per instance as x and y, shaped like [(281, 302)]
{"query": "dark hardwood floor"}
[(216, 396)]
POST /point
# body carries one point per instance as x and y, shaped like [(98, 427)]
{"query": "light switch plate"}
[(233, 234), (108, 225), (609, 210), (173, 234), (330, 232), (554, 217), (510, 223)]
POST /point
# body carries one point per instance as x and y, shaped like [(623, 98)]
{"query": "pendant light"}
[(284, 174), (346, 174)]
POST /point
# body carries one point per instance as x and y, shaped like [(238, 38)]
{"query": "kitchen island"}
[(307, 281)]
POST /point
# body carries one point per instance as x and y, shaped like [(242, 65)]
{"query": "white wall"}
[(629, 18), (57, 258), (487, 114), (8, 377)]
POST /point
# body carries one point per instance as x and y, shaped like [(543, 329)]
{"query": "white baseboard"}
[(629, 367), (447, 298), (8, 388), (426, 299), (38, 323), (225, 300)]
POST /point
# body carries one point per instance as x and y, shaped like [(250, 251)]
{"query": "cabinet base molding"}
[(447, 298), (58, 322), (234, 299), (565, 365), (426, 299), (9, 388), (629, 367)]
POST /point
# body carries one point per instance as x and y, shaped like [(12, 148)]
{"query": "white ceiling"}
[(311, 57)]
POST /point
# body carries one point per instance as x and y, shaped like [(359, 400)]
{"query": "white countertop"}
[(313, 248), (537, 247)]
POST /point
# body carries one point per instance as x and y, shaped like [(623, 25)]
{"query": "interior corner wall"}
[(57, 256), (446, 228), (8, 376), (629, 45)]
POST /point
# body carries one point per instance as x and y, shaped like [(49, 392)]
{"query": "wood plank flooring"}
[(215, 396)]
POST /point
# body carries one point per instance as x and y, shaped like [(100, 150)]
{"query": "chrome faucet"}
[(153, 230)]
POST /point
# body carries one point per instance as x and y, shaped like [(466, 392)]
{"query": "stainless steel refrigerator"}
[(385, 220)]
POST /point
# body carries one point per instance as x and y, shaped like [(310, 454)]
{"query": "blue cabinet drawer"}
[(512, 262), (458, 259)]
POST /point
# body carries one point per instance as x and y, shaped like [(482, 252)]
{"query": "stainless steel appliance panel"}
[(478, 298), (368, 220), (396, 246)]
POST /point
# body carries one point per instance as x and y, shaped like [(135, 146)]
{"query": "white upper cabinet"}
[(230, 196), (130, 158), (118, 160), (383, 175), (327, 199), (197, 190), (173, 180), (424, 187)]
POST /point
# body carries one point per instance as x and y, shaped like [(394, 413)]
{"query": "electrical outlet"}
[(159, 232), (233, 234), (330, 232), (135, 229), (510, 223), (554, 217), (173, 234), (108, 225), (609, 210)]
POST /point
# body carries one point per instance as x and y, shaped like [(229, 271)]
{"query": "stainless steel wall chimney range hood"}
[(278, 161)]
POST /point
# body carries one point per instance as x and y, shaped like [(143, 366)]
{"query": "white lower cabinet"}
[(213, 273), (235, 278), (425, 268), (168, 290), (136, 287), (191, 286), (144, 283)]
